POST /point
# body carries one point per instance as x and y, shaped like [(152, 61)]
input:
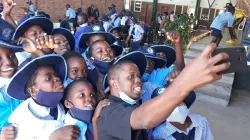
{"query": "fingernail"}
[(229, 64), (45, 34)]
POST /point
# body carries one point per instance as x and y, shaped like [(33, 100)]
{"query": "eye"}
[(81, 95), (48, 78), (85, 71), (74, 71)]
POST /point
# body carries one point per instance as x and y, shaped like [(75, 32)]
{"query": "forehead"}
[(161, 53), (59, 37), (76, 60), (5, 51), (101, 44), (80, 86), (96, 37), (35, 28), (43, 70), (128, 68), (150, 60)]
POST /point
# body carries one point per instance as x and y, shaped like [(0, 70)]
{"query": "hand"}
[(30, 46), (46, 41), (8, 6), (99, 108), (203, 70), (175, 37), (69, 132), (8, 133), (172, 76)]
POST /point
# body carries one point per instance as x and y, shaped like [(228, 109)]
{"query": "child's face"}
[(63, 44), (47, 80), (8, 62), (161, 55), (102, 51), (150, 65), (116, 33), (33, 33), (94, 38), (81, 96), (77, 68)]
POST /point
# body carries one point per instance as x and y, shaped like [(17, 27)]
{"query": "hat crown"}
[(96, 28), (6, 30)]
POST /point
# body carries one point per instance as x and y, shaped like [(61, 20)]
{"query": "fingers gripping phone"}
[(237, 58)]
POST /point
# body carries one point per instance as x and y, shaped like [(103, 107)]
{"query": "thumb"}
[(208, 50)]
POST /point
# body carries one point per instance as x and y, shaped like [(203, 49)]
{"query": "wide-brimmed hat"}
[(16, 88), (93, 30), (136, 57), (105, 18), (67, 34), (6, 33), (169, 51), (45, 23), (118, 49), (149, 53), (112, 28)]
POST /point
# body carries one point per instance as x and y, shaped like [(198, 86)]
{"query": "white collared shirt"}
[(84, 25), (202, 129), (33, 121), (138, 32), (22, 56), (106, 25)]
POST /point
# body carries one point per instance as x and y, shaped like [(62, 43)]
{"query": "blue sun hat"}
[(112, 28), (6, 33), (189, 100), (136, 57), (67, 34), (169, 51), (105, 18), (150, 53), (118, 49), (16, 88), (45, 23), (93, 30)]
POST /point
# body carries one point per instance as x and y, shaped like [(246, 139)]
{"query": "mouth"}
[(89, 105), (137, 89), (8, 70), (64, 50), (106, 59)]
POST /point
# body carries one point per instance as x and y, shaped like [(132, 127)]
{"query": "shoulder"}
[(21, 112)]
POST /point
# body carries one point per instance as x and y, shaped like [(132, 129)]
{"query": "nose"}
[(57, 79), (138, 80), (88, 98)]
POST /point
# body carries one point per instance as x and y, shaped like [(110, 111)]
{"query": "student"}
[(82, 20), (160, 18), (37, 30), (124, 79), (106, 22), (172, 16), (8, 67), (77, 67), (181, 124), (224, 19), (64, 40), (80, 100), (39, 83), (116, 31), (164, 52), (137, 32), (32, 8)]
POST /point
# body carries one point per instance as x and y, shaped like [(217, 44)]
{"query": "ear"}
[(67, 104), (92, 59), (33, 91)]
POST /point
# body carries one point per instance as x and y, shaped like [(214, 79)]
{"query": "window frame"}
[(208, 14), (137, 7)]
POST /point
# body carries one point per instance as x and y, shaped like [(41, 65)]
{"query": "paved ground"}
[(227, 123)]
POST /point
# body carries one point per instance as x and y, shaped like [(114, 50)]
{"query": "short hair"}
[(71, 54), (84, 16), (90, 49), (31, 82), (113, 70), (71, 85)]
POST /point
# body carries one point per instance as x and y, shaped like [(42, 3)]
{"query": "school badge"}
[(96, 28), (6, 33)]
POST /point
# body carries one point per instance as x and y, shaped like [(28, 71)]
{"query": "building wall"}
[(56, 8)]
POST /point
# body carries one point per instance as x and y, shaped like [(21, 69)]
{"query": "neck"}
[(183, 127)]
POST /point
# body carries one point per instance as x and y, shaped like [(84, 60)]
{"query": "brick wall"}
[(56, 8)]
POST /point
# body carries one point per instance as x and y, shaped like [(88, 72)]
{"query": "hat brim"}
[(118, 49), (136, 57), (67, 34), (45, 23), (85, 37), (159, 62), (169, 51), (16, 88), (15, 48), (119, 28)]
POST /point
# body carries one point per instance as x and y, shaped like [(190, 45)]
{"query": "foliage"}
[(181, 24)]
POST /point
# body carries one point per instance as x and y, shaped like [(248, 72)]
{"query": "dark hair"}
[(114, 68), (90, 49), (71, 85), (84, 16), (71, 54), (31, 82)]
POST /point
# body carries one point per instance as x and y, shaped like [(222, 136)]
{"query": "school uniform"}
[(117, 22), (37, 118), (82, 29), (7, 104), (220, 21), (84, 127), (198, 130), (136, 31)]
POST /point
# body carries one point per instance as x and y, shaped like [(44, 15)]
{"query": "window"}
[(205, 12), (127, 4), (191, 10), (137, 6), (218, 12)]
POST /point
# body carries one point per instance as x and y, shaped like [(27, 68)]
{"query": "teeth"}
[(7, 70), (137, 89), (89, 105), (106, 59)]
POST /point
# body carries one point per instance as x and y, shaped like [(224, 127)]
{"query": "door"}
[(178, 10), (149, 13)]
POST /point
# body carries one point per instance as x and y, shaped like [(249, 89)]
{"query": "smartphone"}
[(237, 58)]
